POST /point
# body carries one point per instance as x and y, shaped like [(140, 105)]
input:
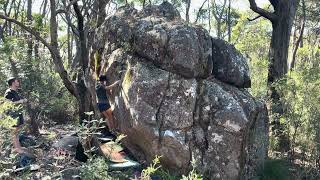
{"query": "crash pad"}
[(113, 151), (128, 164)]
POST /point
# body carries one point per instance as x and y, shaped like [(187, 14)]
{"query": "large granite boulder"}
[(179, 97), (229, 65)]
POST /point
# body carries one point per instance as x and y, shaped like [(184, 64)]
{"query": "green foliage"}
[(299, 89), (6, 123), (300, 92), (6, 108), (274, 170), (193, 175), (156, 169), (95, 168), (147, 172), (253, 39), (40, 83), (165, 174)]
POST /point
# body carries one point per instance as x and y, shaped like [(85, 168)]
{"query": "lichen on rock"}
[(182, 96)]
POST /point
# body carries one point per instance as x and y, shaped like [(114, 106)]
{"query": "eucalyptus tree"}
[(281, 18)]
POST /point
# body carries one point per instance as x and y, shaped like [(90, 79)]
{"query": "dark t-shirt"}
[(12, 95), (101, 94)]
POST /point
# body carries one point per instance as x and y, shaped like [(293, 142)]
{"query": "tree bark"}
[(219, 29), (187, 10), (30, 75), (209, 16), (229, 21), (29, 37), (282, 21), (84, 80), (278, 55)]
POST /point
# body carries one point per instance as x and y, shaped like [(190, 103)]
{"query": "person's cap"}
[(102, 78), (11, 79)]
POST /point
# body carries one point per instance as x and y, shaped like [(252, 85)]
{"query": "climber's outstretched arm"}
[(113, 85)]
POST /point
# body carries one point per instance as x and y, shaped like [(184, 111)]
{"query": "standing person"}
[(12, 95), (103, 101)]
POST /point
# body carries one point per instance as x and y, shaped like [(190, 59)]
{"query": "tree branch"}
[(57, 60), (31, 31), (200, 9), (274, 3), (264, 13), (67, 20), (223, 7), (82, 37), (259, 16), (214, 12), (52, 48), (70, 4)]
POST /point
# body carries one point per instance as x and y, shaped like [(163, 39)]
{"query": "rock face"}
[(180, 97), (229, 65)]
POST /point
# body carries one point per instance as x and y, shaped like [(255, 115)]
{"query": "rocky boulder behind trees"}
[(181, 97)]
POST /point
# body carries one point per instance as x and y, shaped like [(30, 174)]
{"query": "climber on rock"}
[(103, 101)]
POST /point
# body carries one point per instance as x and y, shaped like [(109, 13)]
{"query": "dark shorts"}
[(103, 106)]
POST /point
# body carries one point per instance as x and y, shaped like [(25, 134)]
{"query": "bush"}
[(274, 170), (95, 168)]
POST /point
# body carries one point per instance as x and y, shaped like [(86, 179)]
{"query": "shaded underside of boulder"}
[(181, 97)]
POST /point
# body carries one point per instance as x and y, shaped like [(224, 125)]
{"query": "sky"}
[(195, 4), (238, 4), (242, 5)]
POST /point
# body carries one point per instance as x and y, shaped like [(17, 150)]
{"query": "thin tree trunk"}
[(187, 11), (85, 97), (218, 16), (14, 68), (219, 28), (199, 11), (299, 41), (69, 46), (31, 73), (209, 16), (294, 36), (53, 47), (29, 37), (229, 21)]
